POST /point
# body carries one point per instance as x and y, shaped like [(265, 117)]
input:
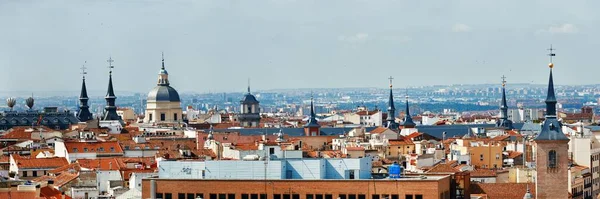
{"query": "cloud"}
[(563, 29), (357, 38), (398, 38), (459, 27)]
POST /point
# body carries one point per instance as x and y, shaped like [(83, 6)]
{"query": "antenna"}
[(83, 72), (551, 54), (110, 65)]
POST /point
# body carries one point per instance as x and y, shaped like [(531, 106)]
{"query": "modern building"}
[(163, 103)]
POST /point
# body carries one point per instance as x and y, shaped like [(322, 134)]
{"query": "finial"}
[(163, 60), (406, 94), (503, 80), (110, 66), (248, 85), (83, 73), (391, 78), (551, 54)]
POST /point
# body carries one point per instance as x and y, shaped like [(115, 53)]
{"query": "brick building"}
[(410, 187)]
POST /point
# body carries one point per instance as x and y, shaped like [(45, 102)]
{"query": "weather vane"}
[(551, 54), (83, 73), (110, 66), (391, 78)]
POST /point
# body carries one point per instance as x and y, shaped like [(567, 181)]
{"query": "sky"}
[(215, 46)]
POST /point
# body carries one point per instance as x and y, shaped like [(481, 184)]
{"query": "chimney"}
[(109, 165), (152, 189)]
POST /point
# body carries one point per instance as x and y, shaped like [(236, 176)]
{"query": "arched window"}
[(552, 159)]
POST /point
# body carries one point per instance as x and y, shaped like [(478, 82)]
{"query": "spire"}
[(503, 120), (84, 113), (408, 121), (551, 128), (163, 60), (391, 116), (312, 120), (248, 85), (110, 111), (163, 75)]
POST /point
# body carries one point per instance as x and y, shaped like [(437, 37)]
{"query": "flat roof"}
[(436, 177)]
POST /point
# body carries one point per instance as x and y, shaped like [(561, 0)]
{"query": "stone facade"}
[(552, 182)]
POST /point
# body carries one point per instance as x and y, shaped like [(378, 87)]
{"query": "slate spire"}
[(84, 112), (391, 115)]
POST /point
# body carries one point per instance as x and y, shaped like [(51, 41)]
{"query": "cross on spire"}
[(83, 73), (551, 54), (110, 66), (391, 79), (162, 55), (503, 80)]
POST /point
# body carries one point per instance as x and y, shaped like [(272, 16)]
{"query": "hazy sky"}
[(217, 45)]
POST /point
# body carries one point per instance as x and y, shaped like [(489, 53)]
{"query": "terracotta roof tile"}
[(101, 164), (93, 147), (502, 190), (483, 173), (442, 168), (378, 130), (41, 163)]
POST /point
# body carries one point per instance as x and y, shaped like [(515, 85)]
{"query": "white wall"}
[(102, 178)]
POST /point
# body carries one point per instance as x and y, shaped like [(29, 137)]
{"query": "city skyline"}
[(216, 46)]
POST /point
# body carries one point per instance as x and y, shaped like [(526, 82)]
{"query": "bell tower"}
[(551, 150)]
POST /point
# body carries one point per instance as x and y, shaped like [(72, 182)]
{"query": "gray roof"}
[(249, 99), (163, 93), (60, 120), (289, 131)]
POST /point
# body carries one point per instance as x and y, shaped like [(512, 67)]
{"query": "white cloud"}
[(563, 29), (357, 38), (459, 27), (399, 38)]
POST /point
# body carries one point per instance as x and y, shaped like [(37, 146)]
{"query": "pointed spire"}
[(408, 121), (110, 111), (503, 121), (391, 115), (248, 85), (163, 60), (551, 128), (312, 120), (84, 113)]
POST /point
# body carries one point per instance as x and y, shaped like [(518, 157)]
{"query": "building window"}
[(552, 159), (254, 196), (180, 195), (190, 196), (263, 196), (407, 196), (271, 151), (157, 195), (175, 116), (361, 196), (230, 196), (168, 196), (245, 196), (481, 157), (24, 173), (213, 196), (150, 117), (351, 196), (112, 149), (328, 196), (375, 196), (394, 196), (342, 196), (309, 196), (34, 174), (162, 117), (286, 196), (418, 196), (101, 149), (276, 196), (319, 196), (497, 156)]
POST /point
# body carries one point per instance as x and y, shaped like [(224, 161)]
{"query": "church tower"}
[(110, 111), (391, 115), (312, 127), (84, 114), (503, 121), (163, 103), (250, 111), (551, 151)]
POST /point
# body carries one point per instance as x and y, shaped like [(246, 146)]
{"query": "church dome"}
[(163, 93), (249, 99)]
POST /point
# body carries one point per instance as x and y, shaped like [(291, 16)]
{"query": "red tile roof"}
[(514, 154), (443, 168), (502, 190), (101, 164), (41, 163), (50, 192), (414, 135), (93, 147), (59, 180), (378, 130), (355, 148), (483, 173)]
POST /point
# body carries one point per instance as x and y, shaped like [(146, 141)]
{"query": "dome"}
[(249, 99), (163, 93)]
